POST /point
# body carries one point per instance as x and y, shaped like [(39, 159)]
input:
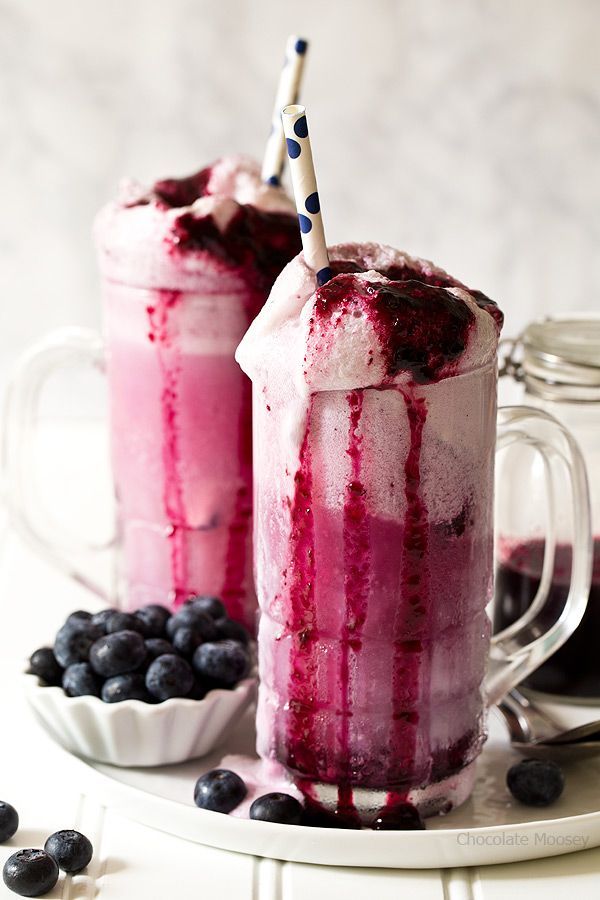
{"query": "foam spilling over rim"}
[(344, 350), (133, 233)]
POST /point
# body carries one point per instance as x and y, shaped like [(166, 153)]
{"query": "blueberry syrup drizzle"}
[(161, 335), (356, 568), (302, 623)]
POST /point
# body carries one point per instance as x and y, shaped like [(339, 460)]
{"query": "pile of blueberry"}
[(31, 873), (149, 655)]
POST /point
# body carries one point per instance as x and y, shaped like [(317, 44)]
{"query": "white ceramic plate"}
[(490, 828)]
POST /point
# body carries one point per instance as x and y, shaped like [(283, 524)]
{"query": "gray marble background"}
[(467, 131)]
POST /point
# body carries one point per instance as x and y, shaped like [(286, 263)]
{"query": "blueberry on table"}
[(228, 628), (30, 873), (44, 664), (156, 647), (403, 817), (74, 640), (155, 618), (277, 807), (102, 617), (535, 782), (212, 606), (118, 653), (71, 850), (224, 662), (125, 687), (122, 621), (219, 790), (9, 821), (169, 676), (79, 680)]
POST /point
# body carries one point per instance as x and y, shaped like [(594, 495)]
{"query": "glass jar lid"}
[(561, 357)]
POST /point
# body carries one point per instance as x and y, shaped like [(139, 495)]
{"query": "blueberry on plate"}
[(118, 653), (212, 606), (403, 817), (228, 628), (131, 686), (224, 662), (188, 617), (199, 690), (169, 676), (9, 821), (122, 621), (44, 664), (155, 618), (277, 807), (74, 640), (219, 790), (185, 641), (535, 782), (156, 647), (101, 618), (79, 680), (71, 850), (30, 873)]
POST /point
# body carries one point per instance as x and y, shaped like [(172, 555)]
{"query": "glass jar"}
[(557, 363)]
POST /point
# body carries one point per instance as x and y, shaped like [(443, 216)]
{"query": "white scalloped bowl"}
[(133, 733)]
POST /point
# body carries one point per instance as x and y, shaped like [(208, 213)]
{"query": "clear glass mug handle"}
[(78, 346), (521, 648)]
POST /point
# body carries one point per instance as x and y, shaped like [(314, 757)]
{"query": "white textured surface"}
[(466, 132), (137, 863)]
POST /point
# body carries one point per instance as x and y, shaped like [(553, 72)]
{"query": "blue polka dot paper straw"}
[(288, 91), (306, 195)]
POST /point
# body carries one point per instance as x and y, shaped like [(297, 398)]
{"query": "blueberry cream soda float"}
[(186, 266), (374, 429)]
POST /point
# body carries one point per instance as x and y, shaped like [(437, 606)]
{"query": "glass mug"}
[(180, 428), (374, 568)]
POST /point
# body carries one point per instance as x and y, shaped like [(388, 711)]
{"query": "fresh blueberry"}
[(71, 850), (80, 615), (403, 817), (74, 640), (225, 662), (535, 782), (44, 664), (169, 676), (155, 618), (30, 873), (118, 653), (125, 687), (219, 790), (277, 807), (188, 617), (9, 821), (156, 647), (185, 641), (228, 628), (102, 617), (122, 621), (80, 681), (212, 606)]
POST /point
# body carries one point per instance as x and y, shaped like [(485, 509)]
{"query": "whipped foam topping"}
[(362, 329), (138, 231)]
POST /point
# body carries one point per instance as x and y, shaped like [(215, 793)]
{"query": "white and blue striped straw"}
[(304, 182), (288, 91)]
